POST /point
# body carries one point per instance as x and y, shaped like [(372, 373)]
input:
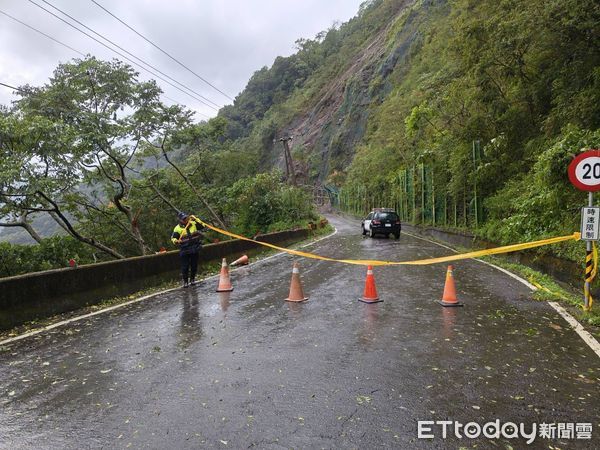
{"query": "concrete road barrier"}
[(37, 295)]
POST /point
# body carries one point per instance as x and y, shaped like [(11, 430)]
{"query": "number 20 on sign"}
[(584, 171)]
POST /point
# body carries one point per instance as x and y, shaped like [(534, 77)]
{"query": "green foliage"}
[(521, 78), (294, 82), (542, 202), (550, 290), (51, 253), (263, 203), (74, 140)]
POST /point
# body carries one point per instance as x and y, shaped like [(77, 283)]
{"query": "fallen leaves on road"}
[(362, 399)]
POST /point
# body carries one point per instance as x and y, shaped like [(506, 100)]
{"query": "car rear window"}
[(387, 216)]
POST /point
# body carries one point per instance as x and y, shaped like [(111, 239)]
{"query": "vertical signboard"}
[(590, 226)]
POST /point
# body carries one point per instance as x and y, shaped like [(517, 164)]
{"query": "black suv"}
[(381, 221)]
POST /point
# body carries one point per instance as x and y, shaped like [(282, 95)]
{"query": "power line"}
[(168, 98), (42, 33), (157, 47), (70, 48), (11, 87), (180, 104), (121, 55), (129, 53)]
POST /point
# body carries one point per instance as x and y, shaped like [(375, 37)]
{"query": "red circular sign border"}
[(573, 165)]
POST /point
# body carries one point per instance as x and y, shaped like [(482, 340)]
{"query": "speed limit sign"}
[(584, 171)]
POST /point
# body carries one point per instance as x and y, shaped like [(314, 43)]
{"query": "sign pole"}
[(588, 263), (584, 174)]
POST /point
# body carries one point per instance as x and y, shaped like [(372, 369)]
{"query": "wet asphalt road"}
[(196, 369)]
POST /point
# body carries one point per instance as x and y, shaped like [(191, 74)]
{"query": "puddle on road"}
[(190, 326), (295, 309), (370, 327), (224, 300)]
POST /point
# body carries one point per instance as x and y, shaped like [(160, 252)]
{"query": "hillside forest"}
[(462, 114)]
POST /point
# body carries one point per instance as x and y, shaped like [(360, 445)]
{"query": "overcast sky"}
[(223, 41)]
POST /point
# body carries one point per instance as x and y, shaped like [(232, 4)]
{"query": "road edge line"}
[(136, 300), (510, 274), (84, 316), (585, 335), (582, 332), (335, 230)]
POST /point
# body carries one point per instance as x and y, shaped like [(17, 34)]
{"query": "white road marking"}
[(136, 300), (84, 316), (510, 274), (585, 335), (302, 246)]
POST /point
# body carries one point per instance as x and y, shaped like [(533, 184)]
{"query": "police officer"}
[(187, 236)]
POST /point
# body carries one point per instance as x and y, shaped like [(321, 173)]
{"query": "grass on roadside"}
[(550, 290)]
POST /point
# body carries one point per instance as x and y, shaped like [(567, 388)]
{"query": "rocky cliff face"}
[(326, 134), (337, 122)]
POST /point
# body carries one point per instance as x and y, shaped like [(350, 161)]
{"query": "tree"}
[(13, 215), (79, 136), (38, 169)]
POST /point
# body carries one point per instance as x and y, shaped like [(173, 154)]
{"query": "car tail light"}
[(397, 222), (376, 222)]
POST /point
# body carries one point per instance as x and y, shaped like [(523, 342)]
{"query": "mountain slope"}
[(462, 113), (326, 111)]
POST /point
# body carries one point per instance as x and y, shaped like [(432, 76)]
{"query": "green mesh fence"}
[(418, 196)]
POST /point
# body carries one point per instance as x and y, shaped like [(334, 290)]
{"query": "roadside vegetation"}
[(463, 114), (549, 290), (467, 119), (482, 121), (95, 152)]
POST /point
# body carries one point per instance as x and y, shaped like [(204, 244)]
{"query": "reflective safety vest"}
[(190, 238)]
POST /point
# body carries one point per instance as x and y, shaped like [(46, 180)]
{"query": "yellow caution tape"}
[(421, 262), (562, 297), (544, 288)]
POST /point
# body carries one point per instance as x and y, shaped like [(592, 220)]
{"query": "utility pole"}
[(289, 162), (476, 157)]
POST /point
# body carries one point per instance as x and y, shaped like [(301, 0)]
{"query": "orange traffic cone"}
[(224, 281), (370, 294), (296, 293), (449, 297), (242, 261)]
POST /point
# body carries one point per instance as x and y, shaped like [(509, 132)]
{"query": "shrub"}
[(51, 253), (263, 203)]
